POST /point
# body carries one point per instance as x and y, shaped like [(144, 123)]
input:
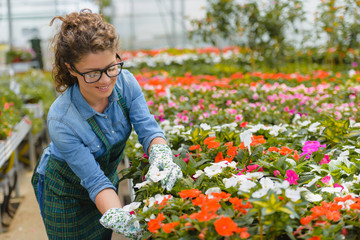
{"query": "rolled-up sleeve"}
[(143, 121), (78, 157)]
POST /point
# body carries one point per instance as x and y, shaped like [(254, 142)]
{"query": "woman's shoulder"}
[(62, 107)]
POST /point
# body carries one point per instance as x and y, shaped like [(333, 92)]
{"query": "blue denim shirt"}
[(73, 140)]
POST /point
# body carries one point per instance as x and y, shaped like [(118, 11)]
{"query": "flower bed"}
[(264, 156)]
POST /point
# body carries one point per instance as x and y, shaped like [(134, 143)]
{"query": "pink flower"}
[(325, 160), (292, 177), (277, 173), (263, 109), (325, 179), (286, 109), (228, 102), (238, 118), (254, 167), (150, 103), (6, 106), (206, 115)]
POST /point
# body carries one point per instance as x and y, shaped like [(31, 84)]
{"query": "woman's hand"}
[(161, 160), (120, 221)]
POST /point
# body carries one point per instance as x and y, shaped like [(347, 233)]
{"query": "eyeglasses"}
[(95, 75)]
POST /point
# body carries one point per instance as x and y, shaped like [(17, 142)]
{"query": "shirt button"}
[(112, 131), (106, 116), (98, 146)]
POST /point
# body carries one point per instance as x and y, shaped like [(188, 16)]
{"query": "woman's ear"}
[(71, 71)]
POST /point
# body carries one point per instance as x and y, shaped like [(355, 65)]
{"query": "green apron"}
[(67, 210)]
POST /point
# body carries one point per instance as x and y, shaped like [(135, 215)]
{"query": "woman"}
[(76, 179)]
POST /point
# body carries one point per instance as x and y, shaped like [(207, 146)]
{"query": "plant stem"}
[(261, 227)]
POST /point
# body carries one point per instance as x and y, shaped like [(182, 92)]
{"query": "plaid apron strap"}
[(123, 106), (95, 127)]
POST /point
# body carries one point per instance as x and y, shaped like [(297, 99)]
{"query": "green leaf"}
[(199, 180), (181, 164), (286, 210)]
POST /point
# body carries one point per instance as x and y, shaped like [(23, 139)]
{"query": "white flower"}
[(140, 185), (234, 180), (267, 183), (294, 195), (155, 175), (255, 175), (331, 189), (198, 173), (260, 193), (132, 206), (138, 145), (246, 186), (313, 127), (311, 197), (212, 190), (312, 182), (157, 198), (205, 126), (213, 170)]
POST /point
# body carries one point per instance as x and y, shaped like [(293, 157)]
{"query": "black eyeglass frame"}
[(121, 63)]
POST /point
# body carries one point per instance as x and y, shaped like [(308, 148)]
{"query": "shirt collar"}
[(85, 110)]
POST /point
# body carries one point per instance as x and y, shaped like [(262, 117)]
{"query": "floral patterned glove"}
[(162, 164), (118, 220)]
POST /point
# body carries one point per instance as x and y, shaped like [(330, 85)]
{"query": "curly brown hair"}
[(80, 34)]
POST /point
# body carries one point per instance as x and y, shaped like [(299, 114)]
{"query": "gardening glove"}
[(161, 162), (118, 220)]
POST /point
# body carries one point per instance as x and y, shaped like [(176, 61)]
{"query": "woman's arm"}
[(106, 199)]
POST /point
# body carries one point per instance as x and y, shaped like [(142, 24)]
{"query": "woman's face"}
[(99, 91)]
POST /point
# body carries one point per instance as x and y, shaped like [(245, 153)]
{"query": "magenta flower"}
[(292, 177), (310, 147), (325, 179)]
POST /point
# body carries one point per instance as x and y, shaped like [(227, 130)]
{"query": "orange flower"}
[(229, 144), (203, 216), (315, 238), (333, 215), (238, 205), (219, 157), (242, 145), (243, 232), (285, 150), (306, 220), (191, 193), (209, 139), (221, 195), (232, 151), (194, 147), (273, 149), (213, 145), (342, 199), (256, 140), (296, 155), (199, 200), (225, 226), (168, 227), (210, 205), (155, 224)]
